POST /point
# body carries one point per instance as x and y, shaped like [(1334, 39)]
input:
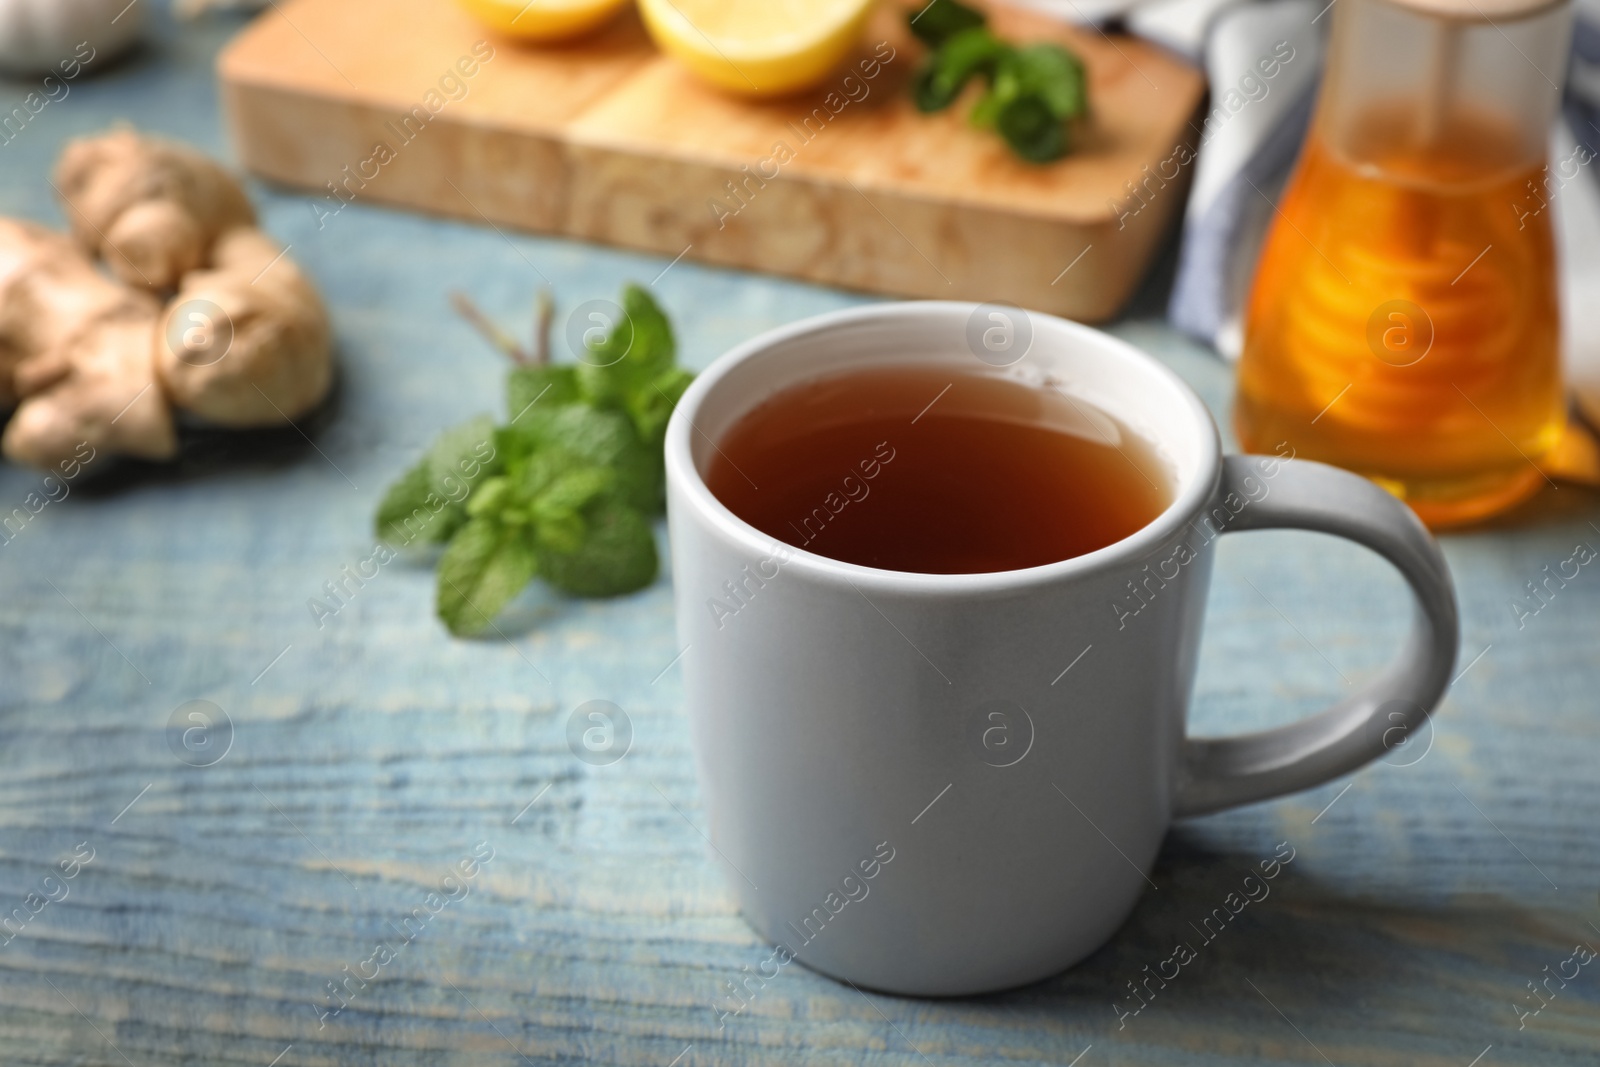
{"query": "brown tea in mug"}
[(936, 470)]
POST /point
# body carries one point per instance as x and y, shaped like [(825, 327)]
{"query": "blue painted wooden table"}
[(375, 782)]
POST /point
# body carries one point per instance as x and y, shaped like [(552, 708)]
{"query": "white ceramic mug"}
[(941, 784)]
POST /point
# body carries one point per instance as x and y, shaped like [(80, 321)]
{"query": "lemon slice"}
[(543, 20), (757, 47)]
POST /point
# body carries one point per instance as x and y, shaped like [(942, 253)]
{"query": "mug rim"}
[(682, 472)]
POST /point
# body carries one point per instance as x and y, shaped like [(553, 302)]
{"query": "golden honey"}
[(1404, 319)]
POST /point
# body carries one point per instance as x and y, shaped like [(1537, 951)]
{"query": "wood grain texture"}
[(610, 141), (370, 755)]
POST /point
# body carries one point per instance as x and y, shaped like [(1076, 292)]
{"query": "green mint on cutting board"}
[(1035, 92), (565, 489)]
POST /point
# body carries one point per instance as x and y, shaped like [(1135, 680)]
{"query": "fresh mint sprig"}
[(565, 488), (1036, 93)]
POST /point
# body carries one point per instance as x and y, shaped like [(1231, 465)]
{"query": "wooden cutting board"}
[(412, 102)]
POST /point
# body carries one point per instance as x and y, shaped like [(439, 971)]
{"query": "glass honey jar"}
[(1403, 321)]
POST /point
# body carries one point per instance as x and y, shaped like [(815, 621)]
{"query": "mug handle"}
[(1219, 773)]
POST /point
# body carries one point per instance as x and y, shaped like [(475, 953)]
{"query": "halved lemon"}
[(757, 47), (543, 20)]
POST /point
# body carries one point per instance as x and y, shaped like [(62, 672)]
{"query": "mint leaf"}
[(652, 409), (1057, 77), (595, 438), (1031, 130), (1036, 91), (560, 532), (617, 556), (483, 568), (555, 511), (411, 513), (546, 493), (946, 71), (572, 490), (623, 366), (427, 504), (1004, 89), (461, 457), (490, 498), (533, 475), (942, 20), (601, 437), (515, 443), (532, 390)]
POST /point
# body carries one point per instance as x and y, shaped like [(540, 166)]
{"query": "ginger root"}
[(75, 351), (266, 359), (150, 208), (245, 341)]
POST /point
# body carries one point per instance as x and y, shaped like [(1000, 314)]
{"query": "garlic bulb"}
[(37, 36)]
